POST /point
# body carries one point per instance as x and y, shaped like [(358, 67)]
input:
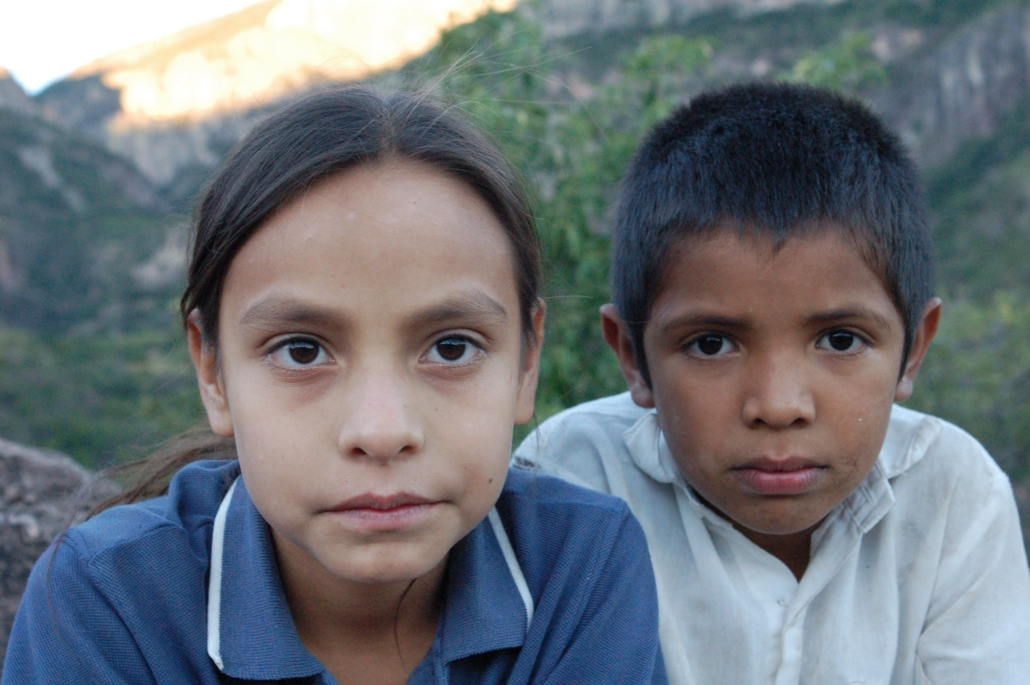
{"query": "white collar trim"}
[(513, 564), (214, 586)]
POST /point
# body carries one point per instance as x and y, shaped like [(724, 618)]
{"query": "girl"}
[(363, 315)]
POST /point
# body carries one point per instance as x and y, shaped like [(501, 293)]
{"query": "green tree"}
[(573, 152)]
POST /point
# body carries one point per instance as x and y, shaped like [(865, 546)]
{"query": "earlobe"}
[(616, 334), (526, 402), (924, 335), (209, 378)]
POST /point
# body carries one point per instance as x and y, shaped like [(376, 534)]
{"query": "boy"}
[(772, 278)]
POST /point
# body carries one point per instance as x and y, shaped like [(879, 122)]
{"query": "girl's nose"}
[(777, 393), (379, 423)]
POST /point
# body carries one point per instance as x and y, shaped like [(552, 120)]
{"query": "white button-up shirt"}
[(918, 576)]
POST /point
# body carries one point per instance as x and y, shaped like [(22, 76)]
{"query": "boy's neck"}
[(793, 549), (361, 632)]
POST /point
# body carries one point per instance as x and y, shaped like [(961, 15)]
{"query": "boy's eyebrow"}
[(702, 321), (837, 315)]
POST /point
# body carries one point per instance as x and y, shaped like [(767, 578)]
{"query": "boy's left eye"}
[(453, 350), (711, 346), (841, 341)]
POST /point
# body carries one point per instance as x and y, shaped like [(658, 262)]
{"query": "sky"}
[(44, 40)]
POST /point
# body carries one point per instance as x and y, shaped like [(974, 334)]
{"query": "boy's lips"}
[(384, 512), (779, 477)]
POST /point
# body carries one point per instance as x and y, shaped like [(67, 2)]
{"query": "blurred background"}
[(102, 158)]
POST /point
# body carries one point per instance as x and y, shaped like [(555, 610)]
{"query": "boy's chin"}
[(776, 517)]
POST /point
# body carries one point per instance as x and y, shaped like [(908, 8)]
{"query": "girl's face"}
[(370, 367)]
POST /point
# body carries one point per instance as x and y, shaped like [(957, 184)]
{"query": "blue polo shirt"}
[(554, 586)]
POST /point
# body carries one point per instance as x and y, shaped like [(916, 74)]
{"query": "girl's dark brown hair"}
[(293, 149)]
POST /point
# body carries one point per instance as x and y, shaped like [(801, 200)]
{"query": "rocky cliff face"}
[(964, 89), (12, 96), (568, 18), (41, 494), (65, 205)]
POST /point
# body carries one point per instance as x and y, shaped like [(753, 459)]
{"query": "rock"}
[(12, 96), (964, 89), (569, 18), (41, 494)]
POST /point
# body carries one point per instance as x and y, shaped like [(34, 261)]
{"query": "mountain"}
[(176, 105), (168, 105), (577, 18), (75, 222), (12, 96)]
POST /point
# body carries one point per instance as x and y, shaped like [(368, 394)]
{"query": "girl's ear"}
[(616, 334), (920, 344), (526, 402), (209, 377)]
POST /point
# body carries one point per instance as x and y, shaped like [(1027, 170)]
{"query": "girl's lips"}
[(384, 512), (780, 478)]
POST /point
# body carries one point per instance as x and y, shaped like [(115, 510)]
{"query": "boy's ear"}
[(925, 332), (616, 334), (209, 377), (526, 401)]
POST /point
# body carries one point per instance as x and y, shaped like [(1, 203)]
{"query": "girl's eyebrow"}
[(276, 310), (470, 306)]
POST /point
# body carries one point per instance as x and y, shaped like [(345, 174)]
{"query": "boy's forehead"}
[(731, 263)]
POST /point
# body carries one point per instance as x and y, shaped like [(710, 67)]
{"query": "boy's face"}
[(773, 373)]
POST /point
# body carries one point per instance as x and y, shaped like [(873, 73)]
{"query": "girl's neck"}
[(362, 633)]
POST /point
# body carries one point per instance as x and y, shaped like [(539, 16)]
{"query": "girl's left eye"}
[(453, 350), (841, 341), (299, 353)]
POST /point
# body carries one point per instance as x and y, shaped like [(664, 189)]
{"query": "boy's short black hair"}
[(770, 160)]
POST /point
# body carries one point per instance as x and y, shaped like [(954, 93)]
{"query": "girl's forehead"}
[(400, 231)]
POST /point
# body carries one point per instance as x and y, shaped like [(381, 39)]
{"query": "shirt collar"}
[(251, 634), (257, 638), (909, 434), (488, 604)]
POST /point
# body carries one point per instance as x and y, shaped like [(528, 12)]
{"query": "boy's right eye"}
[(710, 345), (299, 353)]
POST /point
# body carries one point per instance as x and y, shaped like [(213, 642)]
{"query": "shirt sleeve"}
[(616, 637), (978, 624), (66, 630)]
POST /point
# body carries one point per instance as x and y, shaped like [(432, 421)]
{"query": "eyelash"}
[(280, 353), (863, 342), (477, 348), (693, 346), (284, 347)]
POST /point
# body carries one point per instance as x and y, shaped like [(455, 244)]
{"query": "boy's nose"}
[(777, 394), (379, 423)]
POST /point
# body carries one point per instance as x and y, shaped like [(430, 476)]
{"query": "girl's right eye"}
[(454, 349), (710, 345), (299, 353)]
